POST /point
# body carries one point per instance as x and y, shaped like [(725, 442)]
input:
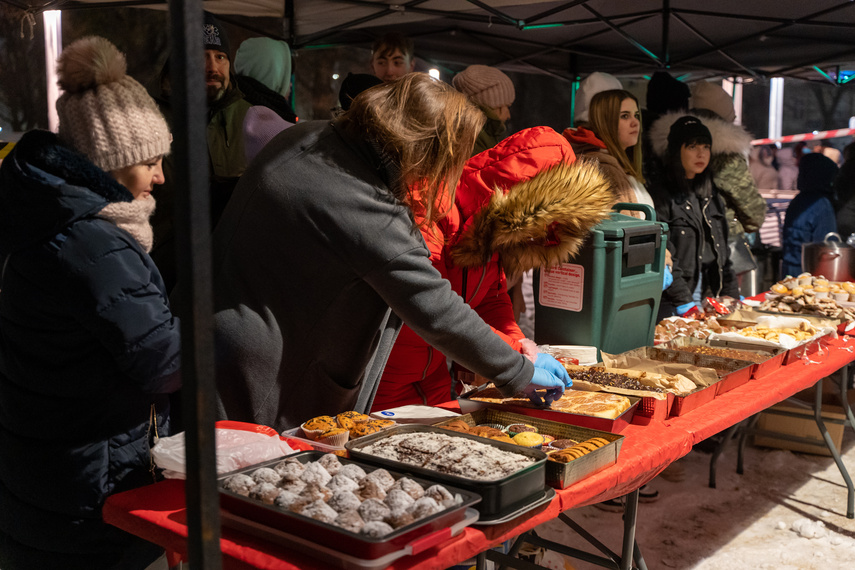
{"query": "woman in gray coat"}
[(318, 260)]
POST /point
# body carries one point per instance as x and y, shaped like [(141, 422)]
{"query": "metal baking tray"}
[(614, 425), (497, 497), (558, 475), (356, 545), (774, 356)]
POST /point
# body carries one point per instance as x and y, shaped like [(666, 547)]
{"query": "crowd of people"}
[(355, 259)]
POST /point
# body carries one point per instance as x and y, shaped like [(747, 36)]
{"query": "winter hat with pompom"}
[(485, 85), (104, 113)]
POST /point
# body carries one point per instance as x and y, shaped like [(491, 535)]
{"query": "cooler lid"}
[(616, 226)]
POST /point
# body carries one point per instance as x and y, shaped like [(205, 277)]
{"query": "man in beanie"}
[(494, 94), (227, 109), (89, 349), (392, 56)]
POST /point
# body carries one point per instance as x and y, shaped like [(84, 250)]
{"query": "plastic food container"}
[(558, 475), (271, 521), (498, 497)]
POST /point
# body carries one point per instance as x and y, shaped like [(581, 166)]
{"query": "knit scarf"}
[(133, 217)]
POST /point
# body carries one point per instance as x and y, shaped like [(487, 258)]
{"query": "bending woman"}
[(320, 244), (522, 204), (89, 349), (690, 203)]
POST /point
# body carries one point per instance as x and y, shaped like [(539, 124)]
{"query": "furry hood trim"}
[(539, 222), (727, 138)]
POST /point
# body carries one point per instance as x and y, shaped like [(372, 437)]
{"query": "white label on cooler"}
[(562, 287)]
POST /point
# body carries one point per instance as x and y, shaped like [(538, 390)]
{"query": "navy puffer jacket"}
[(89, 350)]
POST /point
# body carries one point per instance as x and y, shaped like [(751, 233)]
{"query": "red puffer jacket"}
[(522, 204)]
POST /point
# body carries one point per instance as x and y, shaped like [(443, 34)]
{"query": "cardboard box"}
[(790, 419)]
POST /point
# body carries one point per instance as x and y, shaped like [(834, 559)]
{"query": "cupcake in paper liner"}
[(316, 426), (348, 420), (335, 437)]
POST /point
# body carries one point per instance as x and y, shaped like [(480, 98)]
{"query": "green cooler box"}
[(609, 296)]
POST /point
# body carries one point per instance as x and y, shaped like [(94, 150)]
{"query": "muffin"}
[(360, 430), (335, 437), (381, 423), (316, 426), (528, 439), (348, 420)]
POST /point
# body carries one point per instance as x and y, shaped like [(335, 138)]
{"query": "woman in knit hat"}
[(89, 349), (688, 200), (494, 94)]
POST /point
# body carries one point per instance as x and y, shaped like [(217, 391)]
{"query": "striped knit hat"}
[(104, 113)]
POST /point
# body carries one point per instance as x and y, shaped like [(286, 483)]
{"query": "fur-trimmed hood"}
[(529, 201), (727, 138)]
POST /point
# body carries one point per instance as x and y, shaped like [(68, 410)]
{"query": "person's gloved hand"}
[(669, 278), (688, 310), (549, 374)]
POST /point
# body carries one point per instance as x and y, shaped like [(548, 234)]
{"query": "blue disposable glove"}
[(669, 278), (549, 374), (688, 309)]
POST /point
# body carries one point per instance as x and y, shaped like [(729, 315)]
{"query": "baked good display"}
[(336, 431), (803, 331), (733, 353), (808, 294), (671, 328), (597, 404), (449, 454), (568, 454), (375, 499), (594, 377)]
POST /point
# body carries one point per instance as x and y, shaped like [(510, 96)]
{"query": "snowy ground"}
[(788, 511)]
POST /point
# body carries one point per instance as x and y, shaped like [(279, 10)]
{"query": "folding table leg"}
[(817, 412), (629, 517), (717, 453), (743, 439), (844, 397)]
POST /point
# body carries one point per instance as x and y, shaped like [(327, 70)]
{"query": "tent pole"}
[(193, 249), (666, 20), (53, 47)]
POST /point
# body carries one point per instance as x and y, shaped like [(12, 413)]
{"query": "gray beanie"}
[(105, 113), (485, 85)]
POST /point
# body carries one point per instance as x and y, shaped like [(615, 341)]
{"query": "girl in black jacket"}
[(689, 202)]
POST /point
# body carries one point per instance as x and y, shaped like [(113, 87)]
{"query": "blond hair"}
[(604, 119), (427, 128)]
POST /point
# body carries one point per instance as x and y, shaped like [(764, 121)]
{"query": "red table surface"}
[(157, 512)]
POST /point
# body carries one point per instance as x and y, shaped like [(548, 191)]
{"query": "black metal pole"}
[(192, 224)]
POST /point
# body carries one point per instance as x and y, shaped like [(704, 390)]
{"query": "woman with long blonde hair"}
[(318, 260), (613, 139)]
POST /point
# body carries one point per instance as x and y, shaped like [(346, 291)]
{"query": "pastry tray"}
[(614, 425), (347, 561), (498, 497), (336, 538), (558, 475), (774, 355)]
